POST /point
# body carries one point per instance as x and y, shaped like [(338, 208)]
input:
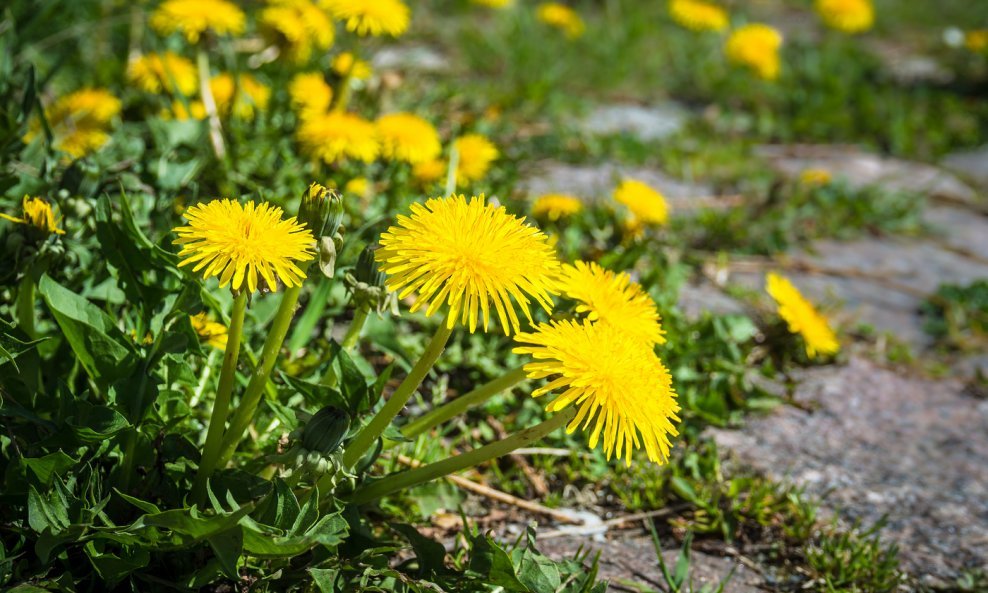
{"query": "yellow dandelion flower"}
[(169, 72), (847, 16), (79, 121), (561, 17), (239, 242), (251, 95), (621, 389), (371, 17), (335, 136), (756, 47), (407, 138), (311, 94), (181, 112), (697, 15), (469, 254), (494, 3), (37, 213), (358, 186), (209, 332), (194, 17), (297, 26), (613, 298), (346, 64), (645, 204), (476, 154), (801, 317), (555, 206), (815, 177), (429, 172), (976, 41)]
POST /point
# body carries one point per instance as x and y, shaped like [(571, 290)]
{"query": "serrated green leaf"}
[(325, 579), (45, 468), (266, 542), (494, 565), (431, 554), (228, 547)]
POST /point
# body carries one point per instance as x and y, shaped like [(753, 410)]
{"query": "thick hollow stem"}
[(427, 473), (463, 403), (221, 405), (353, 332), (209, 103), (366, 437), (454, 164), (25, 306), (244, 414)]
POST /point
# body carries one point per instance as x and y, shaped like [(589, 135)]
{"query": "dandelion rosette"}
[(621, 389), (298, 26), (335, 136), (210, 332), (476, 154), (310, 93), (756, 46), (169, 72), (561, 17), (697, 15), (37, 213), (194, 17), (371, 17), (802, 317), (468, 255), (240, 242), (407, 138), (646, 205), (847, 16), (613, 298), (555, 206)]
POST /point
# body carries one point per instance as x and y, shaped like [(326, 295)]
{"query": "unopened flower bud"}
[(321, 211)]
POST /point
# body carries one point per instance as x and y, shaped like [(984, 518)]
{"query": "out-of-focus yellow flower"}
[(371, 17), (178, 111), (358, 186), (37, 213), (645, 204), (347, 65), (311, 94), (194, 17), (408, 138), (815, 177), (622, 391), (802, 317), (80, 121), (494, 3), (429, 172), (469, 255), (561, 17), (555, 206), (847, 16), (476, 154), (697, 15), (297, 26), (976, 41), (209, 332), (251, 95), (240, 243), (334, 136), (167, 72), (756, 46)]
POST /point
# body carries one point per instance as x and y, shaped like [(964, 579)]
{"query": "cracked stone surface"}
[(972, 164), (860, 169), (697, 298), (878, 442), (415, 58), (645, 123)]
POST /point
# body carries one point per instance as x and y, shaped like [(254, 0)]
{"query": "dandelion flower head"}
[(562, 17), (645, 204), (469, 255), (698, 15), (194, 17), (169, 72), (614, 299), (555, 206), (801, 317), (37, 213), (346, 64), (494, 3), (371, 17), (310, 93), (299, 26), (756, 46), (251, 94), (815, 177), (209, 332), (622, 391), (240, 242), (358, 186), (847, 16), (335, 136), (476, 154), (80, 121), (429, 172), (408, 138), (977, 40)]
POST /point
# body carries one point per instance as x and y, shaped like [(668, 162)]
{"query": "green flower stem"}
[(221, 405), (454, 163), (366, 437), (462, 403), (209, 103), (25, 306), (353, 332), (244, 413), (414, 477)]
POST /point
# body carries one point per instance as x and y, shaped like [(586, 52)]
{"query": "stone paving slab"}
[(972, 164), (413, 58), (880, 443), (646, 123)]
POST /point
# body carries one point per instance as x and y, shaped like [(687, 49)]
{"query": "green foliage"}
[(853, 561), (958, 315)]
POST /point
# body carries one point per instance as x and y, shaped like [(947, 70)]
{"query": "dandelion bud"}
[(366, 285), (321, 211)]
